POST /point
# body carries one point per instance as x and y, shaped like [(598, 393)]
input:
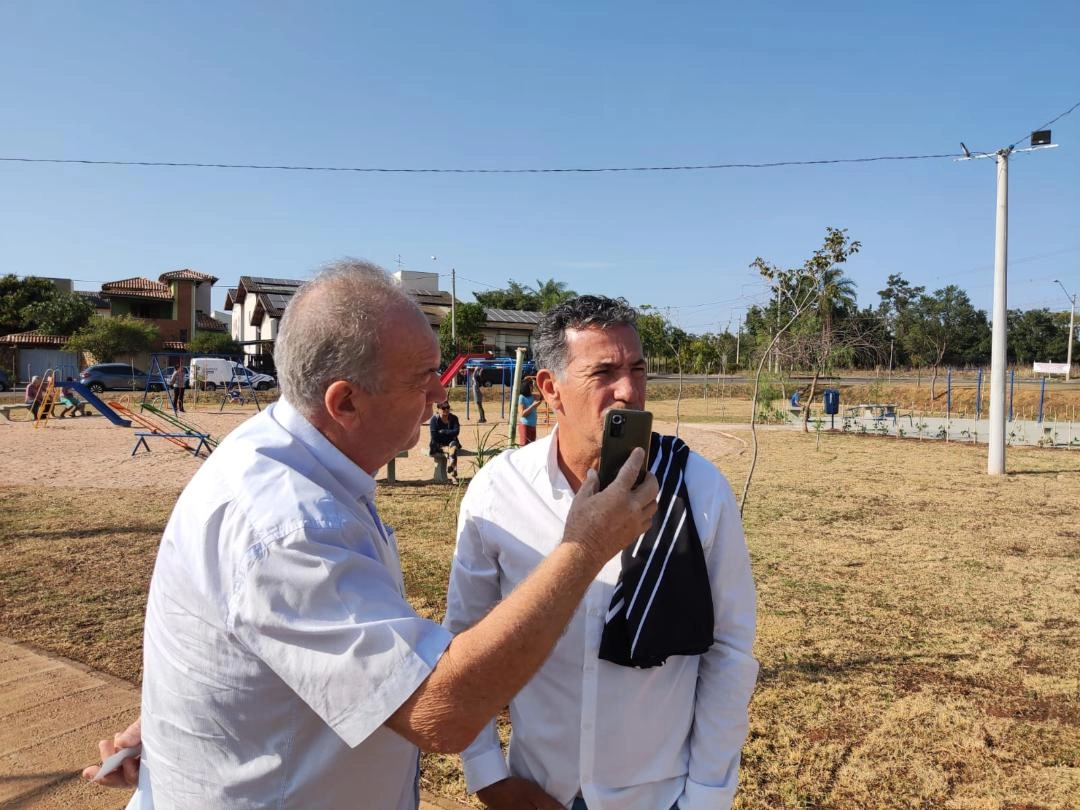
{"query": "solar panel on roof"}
[(512, 316), (263, 283)]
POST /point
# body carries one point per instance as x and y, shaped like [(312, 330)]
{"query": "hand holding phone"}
[(624, 430)]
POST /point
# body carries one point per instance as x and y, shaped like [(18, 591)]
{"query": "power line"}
[(403, 170), (1047, 124)]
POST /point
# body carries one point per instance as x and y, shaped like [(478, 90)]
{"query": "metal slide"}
[(97, 404)]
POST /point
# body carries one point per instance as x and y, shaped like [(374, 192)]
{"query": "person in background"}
[(527, 405), (70, 400), (282, 665), (478, 394), (445, 427), (176, 382), (642, 705), (33, 398)]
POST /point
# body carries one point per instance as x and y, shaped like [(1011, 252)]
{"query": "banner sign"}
[(1051, 368)]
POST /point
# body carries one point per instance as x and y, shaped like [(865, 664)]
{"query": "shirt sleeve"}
[(728, 671), (474, 590), (321, 609)]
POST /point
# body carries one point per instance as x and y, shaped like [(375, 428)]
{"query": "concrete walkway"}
[(52, 713)]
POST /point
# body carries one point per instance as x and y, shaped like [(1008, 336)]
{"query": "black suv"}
[(118, 376), (490, 376)]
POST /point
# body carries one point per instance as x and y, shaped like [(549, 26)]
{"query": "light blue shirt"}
[(528, 419), (278, 639)]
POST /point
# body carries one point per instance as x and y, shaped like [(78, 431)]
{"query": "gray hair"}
[(585, 311), (331, 331)]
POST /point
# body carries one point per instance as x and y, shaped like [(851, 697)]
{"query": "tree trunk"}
[(809, 399), (933, 383)]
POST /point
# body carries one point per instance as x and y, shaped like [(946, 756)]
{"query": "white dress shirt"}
[(622, 738), (277, 639)]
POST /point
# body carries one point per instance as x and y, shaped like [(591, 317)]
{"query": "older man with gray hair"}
[(283, 666)]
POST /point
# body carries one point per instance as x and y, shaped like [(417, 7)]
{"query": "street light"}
[(1072, 328), (1040, 139)]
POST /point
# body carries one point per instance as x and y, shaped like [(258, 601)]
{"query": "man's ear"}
[(344, 403), (548, 386)]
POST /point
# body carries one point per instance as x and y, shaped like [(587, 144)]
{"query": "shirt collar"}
[(556, 479), (337, 464)]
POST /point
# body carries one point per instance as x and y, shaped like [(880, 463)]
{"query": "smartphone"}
[(623, 431)]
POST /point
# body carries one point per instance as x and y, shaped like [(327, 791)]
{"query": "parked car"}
[(494, 375), (116, 377), (216, 372), (5, 381)]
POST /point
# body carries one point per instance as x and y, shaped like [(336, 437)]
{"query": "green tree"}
[(944, 328), (105, 338), (551, 293), (207, 342), (896, 300), (469, 320), (653, 330), (63, 313), (813, 307), (513, 296), (16, 296)]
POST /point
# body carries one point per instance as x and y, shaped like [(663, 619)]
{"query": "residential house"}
[(256, 305), (177, 303)]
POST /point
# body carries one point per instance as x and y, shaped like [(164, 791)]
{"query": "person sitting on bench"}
[(444, 443), (33, 397), (73, 406)]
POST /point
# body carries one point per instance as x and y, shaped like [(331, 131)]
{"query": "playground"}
[(918, 631)]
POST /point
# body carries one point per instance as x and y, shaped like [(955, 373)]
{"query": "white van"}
[(211, 373)]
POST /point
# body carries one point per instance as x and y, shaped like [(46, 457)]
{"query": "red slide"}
[(459, 361)]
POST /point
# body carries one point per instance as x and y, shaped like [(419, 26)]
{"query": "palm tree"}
[(551, 293), (836, 293)]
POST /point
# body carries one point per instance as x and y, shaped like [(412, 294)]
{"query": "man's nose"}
[(436, 391), (625, 388)]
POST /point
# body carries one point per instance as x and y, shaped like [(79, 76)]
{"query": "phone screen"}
[(623, 431)]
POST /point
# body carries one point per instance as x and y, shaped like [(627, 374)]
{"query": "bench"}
[(391, 467), (146, 434), (7, 409)]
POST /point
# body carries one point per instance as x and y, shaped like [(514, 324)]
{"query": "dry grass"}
[(919, 621)]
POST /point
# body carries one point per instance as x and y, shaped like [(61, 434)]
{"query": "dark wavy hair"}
[(595, 311)]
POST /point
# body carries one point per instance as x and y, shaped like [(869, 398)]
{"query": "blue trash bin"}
[(832, 401)]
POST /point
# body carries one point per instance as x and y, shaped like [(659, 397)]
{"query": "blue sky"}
[(516, 85)]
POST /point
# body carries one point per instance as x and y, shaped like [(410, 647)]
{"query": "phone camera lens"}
[(616, 419)]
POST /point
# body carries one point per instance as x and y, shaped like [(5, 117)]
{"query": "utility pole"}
[(995, 464), (1072, 329), (1040, 139), (453, 308)]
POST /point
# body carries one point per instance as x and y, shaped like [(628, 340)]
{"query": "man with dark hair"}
[(642, 705), (444, 428), (283, 666)]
